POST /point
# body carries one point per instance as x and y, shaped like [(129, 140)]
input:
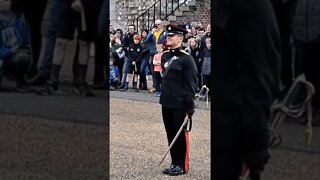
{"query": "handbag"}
[(120, 52)]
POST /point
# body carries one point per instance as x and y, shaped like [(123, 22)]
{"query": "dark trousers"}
[(236, 142), (101, 45), (34, 16), (158, 82), (308, 63), (55, 11), (284, 14), (206, 81), (199, 76), (152, 71), (120, 64), (16, 65), (143, 79), (246, 42), (173, 119)]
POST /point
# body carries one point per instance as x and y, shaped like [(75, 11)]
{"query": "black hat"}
[(176, 29)]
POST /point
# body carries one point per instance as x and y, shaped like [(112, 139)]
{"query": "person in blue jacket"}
[(15, 57), (114, 76), (157, 36)]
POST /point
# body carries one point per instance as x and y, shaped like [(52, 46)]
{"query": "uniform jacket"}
[(250, 65), (179, 85), (245, 76)]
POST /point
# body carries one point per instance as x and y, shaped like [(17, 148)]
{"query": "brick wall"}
[(201, 14)]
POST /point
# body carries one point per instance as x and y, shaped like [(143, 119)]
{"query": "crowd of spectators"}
[(35, 41), (139, 53)]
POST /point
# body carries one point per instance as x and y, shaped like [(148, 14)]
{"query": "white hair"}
[(158, 21)]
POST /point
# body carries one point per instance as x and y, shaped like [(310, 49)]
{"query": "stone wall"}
[(123, 12)]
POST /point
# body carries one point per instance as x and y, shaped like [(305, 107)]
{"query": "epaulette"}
[(184, 52)]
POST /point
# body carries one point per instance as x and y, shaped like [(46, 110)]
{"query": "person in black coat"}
[(196, 52), (101, 46), (134, 54), (33, 11), (83, 16), (306, 34), (246, 78), (127, 40), (144, 61), (179, 87), (284, 11)]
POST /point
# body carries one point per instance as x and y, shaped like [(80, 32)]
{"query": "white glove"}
[(77, 5)]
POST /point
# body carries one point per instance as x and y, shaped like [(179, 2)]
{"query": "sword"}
[(186, 120), (203, 93), (83, 21)]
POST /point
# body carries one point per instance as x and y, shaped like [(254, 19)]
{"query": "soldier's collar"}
[(175, 50)]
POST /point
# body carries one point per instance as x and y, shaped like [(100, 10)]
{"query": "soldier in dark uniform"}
[(246, 78), (177, 97)]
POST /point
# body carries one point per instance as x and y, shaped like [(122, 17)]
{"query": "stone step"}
[(172, 18), (165, 23), (184, 8), (178, 13), (191, 3)]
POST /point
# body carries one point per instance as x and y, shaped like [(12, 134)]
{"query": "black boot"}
[(51, 88), (134, 84), (52, 85), (168, 170), (125, 88), (83, 89), (122, 85), (176, 171)]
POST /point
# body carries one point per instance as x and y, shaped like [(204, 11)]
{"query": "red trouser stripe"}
[(186, 162)]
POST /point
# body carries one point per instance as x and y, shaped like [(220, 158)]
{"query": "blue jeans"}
[(126, 65), (144, 66), (143, 73), (56, 10), (158, 82), (152, 71)]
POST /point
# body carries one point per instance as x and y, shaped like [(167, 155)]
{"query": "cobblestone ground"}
[(138, 142)]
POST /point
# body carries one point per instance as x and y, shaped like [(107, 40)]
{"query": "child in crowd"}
[(114, 76), (15, 55), (206, 64), (158, 69), (132, 69), (194, 50)]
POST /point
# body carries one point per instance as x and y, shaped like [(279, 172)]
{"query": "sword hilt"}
[(202, 94)]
